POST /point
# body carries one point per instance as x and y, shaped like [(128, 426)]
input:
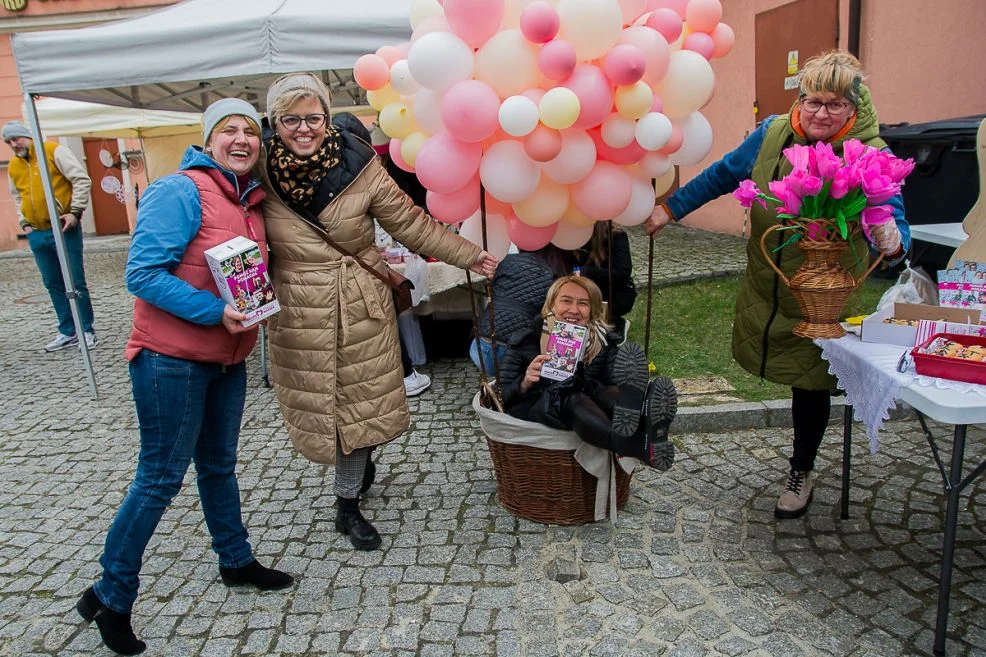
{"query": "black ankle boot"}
[(115, 628), (254, 574), (369, 474), (650, 443), (351, 522)]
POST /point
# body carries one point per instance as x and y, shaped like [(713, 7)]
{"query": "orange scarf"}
[(796, 125)]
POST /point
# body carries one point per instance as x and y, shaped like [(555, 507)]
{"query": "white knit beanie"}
[(220, 109)]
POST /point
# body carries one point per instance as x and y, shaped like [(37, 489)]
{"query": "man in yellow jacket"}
[(71, 185)]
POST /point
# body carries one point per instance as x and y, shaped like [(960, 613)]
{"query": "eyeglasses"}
[(834, 107), (293, 121)]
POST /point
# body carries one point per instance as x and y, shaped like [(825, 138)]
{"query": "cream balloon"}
[(688, 84), (663, 184), (591, 26), (697, 140), (641, 203), (545, 206), (574, 216), (507, 173), (497, 237), (411, 146), (617, 131), (424, 9), (440, 59), (518, 116), (401, 79), (576, 159), (508, 63), (559, 108), (382, 97), (396, 121), (428, 111), (570, 237), (634, 101)]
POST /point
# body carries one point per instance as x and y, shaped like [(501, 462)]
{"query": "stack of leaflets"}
[(565, 344), (963, 285)]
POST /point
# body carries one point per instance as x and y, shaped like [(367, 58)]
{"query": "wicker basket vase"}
[(821, 285)]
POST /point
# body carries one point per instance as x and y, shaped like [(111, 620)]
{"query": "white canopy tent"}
[(188, 55)]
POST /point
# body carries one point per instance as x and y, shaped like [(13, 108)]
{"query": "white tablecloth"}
[(867, 371)]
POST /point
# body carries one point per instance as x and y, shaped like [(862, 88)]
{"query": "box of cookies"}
[(952, 356), (899, 324)]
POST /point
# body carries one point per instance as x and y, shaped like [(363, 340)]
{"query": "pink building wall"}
[(924, 61)]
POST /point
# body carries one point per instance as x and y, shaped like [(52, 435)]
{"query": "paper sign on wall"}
[(790, 82), (792, 62)]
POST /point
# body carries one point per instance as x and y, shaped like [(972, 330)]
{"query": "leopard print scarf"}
[(297, 179)]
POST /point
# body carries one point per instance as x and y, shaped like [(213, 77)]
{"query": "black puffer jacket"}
[(520, 286), (544, 401)]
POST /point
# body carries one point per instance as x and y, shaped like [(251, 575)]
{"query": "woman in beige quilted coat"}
[(334, 350)]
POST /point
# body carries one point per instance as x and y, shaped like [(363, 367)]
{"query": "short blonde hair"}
[(289, 98), (836, 72)]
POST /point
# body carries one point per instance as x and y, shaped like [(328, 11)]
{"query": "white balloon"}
[(570, 237), (518, 116), (697, 140), (617, 131), (641, 203), (401, 79), (653, 131), (440, 59), (422, 9), (507, 173), (497, 236), (654, 165), (428, 111), (576, 159)]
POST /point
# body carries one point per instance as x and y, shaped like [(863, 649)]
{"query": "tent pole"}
[(56, 229)]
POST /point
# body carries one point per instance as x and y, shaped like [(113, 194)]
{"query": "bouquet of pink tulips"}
[(823, 186)]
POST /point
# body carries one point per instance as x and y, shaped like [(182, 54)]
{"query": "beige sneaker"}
[(796, 497)]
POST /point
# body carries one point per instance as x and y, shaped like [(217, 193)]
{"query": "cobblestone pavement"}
[(695, 565)]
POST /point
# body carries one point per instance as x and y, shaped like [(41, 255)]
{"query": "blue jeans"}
[(487, 349), (42, 244), (187, 411)]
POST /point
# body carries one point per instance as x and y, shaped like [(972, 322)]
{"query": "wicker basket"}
[(548, 485)]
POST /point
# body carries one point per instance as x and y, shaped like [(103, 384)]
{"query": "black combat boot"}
[(351, 522)]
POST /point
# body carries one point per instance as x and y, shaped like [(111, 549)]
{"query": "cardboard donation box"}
[(907, 323), (241, 276)]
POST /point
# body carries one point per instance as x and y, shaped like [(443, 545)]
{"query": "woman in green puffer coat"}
[(834, 106)]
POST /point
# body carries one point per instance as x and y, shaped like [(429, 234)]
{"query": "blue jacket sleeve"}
[(169, 217), (720, 177)]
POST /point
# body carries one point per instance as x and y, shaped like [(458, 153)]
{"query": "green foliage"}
[(691, 331)]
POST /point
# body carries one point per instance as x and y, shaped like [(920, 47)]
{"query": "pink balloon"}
[(624, 64), (674, 143), (535, 94), (604, 193), (703, 15), (667, 22), (457, 206), (470, 110), (701, 43), (655, 49), (371, 72), (474, 22), (539, 22), (542, 144), (390, 54), (677, 6), (394, 147), (657, 105), (724, 39), (627, 155), (594, 92), (529, 238), (557, 60), (430, 24), (403, 48), (446, 164)]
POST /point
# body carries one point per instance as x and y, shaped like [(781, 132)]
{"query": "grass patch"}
[(691, 331)]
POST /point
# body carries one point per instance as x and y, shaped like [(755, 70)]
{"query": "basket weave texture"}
[(548, 485)]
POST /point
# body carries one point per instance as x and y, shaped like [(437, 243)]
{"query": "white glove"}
[(886, 237)]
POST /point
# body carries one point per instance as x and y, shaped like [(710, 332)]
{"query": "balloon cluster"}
[(566, 112)]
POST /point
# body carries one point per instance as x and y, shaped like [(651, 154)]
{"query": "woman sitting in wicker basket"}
[(608, 402)]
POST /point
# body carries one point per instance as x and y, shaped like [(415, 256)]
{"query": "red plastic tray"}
[(970, 371)]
